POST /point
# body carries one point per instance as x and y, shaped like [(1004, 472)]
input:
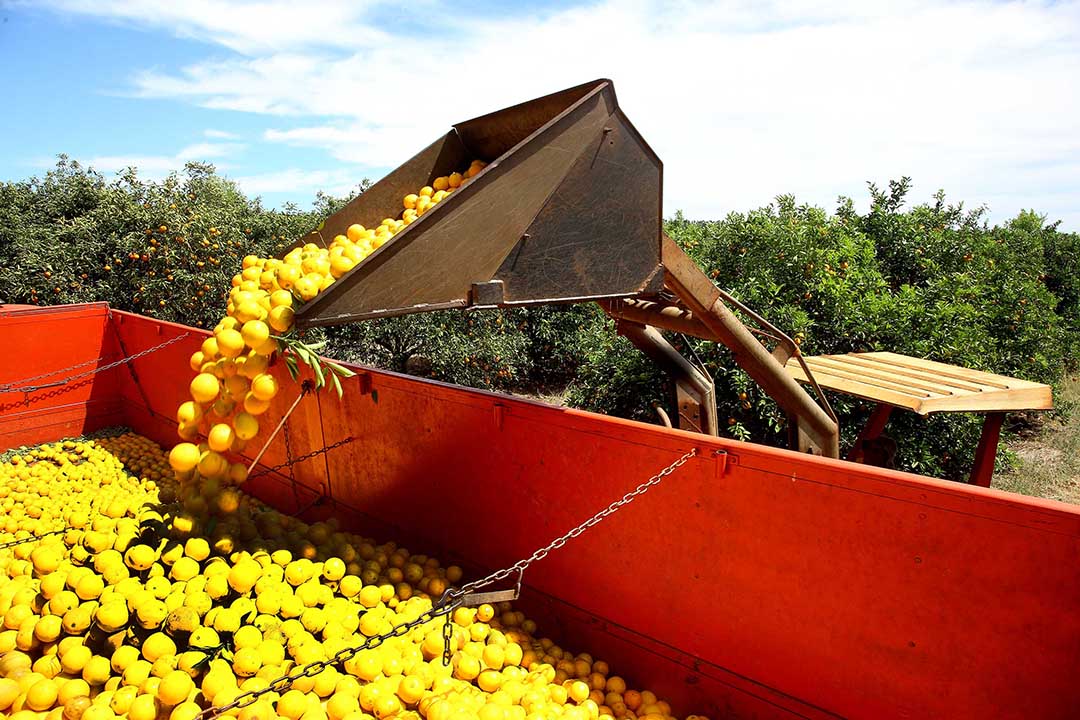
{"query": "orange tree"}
[(933, 281), (166, 249)]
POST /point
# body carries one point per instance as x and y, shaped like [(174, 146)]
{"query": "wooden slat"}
[(1026, 398), (858, 389), (819, 369), (918, 375), (923, 386), (873, 370), (953, 371)]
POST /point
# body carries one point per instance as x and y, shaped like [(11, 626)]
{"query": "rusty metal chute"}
[(568, 209)]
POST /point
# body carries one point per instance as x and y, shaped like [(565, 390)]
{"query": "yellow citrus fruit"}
[(175, 688), (220, 438), (282, 317), (264, 387), (204, 388), (355, 232), (42, 695), (230, 343), (246, 425), (189, 412), (184, 457), (255, 333)]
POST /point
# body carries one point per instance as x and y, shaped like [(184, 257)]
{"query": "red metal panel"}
[(789, 586), (41, 340)]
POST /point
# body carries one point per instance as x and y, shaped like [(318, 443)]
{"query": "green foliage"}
[(933, 280), (167, 249), (522, 350)]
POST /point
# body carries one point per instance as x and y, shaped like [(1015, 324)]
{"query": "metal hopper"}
[(568, 209)]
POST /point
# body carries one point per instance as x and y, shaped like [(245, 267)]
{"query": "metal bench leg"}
[(874, 427), (983, 469)]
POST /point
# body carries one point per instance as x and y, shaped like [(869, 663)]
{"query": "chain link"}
[(446, 605), (32, 538), (302, 458), (521, 565), (17, 386)]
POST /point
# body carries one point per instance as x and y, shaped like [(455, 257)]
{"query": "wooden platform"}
[(923, 386)]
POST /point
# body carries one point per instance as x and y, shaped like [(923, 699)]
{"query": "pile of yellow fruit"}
[(155, 602), (233, 386)]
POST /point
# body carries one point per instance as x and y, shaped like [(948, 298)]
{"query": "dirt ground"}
[(1049, 458)]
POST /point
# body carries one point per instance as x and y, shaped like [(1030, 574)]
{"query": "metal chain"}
[(452, 599), (520, 566), (443, 607), (302, 458), (13, 386), (32, 538)]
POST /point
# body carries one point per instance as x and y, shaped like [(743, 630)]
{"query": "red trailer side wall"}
[(752, 582), (36, 342)]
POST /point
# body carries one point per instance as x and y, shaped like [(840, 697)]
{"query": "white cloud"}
[(743, 100), (219, 134), (335, 182), (157, 166), (245, 26)]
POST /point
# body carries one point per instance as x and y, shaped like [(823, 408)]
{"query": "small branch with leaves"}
[(327, 373)]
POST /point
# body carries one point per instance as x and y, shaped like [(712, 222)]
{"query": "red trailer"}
[(752, 582)]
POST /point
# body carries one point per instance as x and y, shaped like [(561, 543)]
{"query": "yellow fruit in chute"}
[(230, 343), (455, 180), (204, 388), (254, 405), (184, 457), (250, 310), (237, 385), (228, 501), (254, 364), (209, 349), (287, 275), (264, 387), (197, 360), (249, 261), (212, 464), (281, 298), (338, 267), (281, 318), (255, 333), (220, 437), (355, 232), (307, 288), (246, 425), (238, 473), (189, 412), (223, 407), (268, 348), (440, 183), (427, 191)]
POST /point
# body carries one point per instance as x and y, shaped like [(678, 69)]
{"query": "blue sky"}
[(743, 100)]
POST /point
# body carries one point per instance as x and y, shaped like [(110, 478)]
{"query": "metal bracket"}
[(487, 293), (491, 597)]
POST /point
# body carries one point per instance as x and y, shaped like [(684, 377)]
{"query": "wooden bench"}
[(924, 387)]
